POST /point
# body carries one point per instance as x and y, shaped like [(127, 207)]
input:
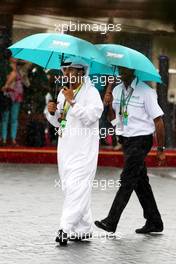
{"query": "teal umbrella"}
[(102, 69), (118, 55), (49, 50)]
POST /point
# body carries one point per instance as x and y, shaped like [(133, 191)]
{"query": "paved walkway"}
[(30, 207)]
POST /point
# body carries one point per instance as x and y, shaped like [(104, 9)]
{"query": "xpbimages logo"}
[(95, 79), (102, 184), (103, 28)]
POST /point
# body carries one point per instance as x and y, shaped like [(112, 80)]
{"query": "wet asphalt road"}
[(30, 207)]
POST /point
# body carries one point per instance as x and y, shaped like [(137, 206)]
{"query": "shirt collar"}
[(134, 83)]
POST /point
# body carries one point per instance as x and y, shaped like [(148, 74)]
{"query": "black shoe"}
[(80, 237), (150, 227), (62, 238), (103, 225)]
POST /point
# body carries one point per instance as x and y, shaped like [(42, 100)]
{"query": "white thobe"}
[(77, 156)]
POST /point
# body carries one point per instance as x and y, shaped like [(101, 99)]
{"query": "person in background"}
[(13, 88), (5, 101)]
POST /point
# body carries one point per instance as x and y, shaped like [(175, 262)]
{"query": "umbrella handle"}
[(56, 88), (115, 67), (62, 58)]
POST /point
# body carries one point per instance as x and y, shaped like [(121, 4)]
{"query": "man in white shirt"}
[(137, 116), (76, 114)]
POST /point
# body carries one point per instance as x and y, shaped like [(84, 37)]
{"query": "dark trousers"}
[(134, 177)]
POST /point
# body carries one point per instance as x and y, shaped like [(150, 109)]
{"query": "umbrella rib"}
[(49, 59), (62, 59), (18, 52)]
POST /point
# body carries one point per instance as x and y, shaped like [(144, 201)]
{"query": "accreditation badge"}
[(125, 118), (63, 123)]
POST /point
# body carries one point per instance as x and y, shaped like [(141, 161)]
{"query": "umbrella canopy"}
[(49, 50), (102, 69), (118, 55)]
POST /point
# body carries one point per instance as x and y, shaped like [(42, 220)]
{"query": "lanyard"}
[(67, 105), (124, 102)]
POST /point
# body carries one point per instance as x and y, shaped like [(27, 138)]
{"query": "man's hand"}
[(68, 93), (161, 158), (52, 107), (108, 98)]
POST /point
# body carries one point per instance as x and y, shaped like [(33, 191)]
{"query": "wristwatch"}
[(161, 149)]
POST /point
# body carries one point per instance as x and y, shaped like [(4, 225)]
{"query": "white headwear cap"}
[(76, 62)]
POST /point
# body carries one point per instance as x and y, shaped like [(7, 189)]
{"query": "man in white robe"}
[(78, 147)]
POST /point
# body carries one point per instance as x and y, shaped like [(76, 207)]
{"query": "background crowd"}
[(25, 90)]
